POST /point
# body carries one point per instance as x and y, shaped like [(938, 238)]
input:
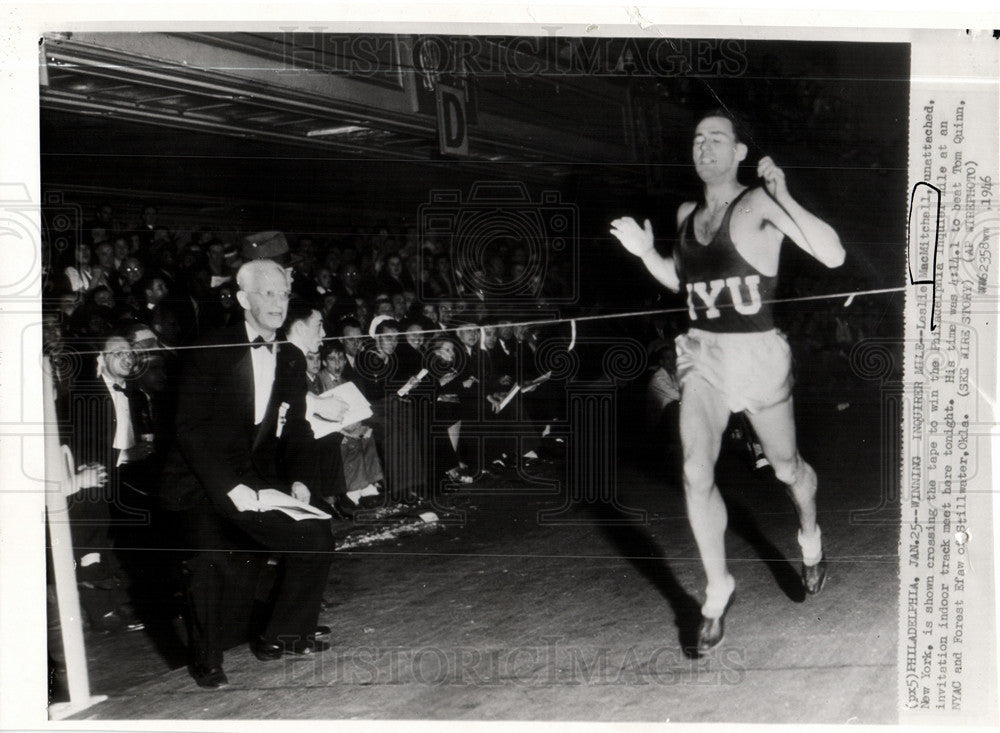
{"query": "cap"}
[(264, 245)]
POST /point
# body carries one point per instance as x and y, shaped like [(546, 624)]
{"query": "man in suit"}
[(103, 408), (230, 415)]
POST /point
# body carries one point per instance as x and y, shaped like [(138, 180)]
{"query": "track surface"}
[(492, 614)]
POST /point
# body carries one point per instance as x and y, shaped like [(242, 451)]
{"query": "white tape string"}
[(547, 321)]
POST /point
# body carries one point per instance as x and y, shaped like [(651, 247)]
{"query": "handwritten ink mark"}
[(932, 280)]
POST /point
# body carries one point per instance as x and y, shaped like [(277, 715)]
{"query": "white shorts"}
[(751, 371)]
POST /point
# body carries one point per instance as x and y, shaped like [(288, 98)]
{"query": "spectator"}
[(80, 274)]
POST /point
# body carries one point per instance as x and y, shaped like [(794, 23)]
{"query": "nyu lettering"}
[(708, 294)]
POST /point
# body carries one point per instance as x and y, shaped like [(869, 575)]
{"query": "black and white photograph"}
[(437, 373)]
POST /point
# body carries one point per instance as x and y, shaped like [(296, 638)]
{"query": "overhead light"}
[(342, 130)]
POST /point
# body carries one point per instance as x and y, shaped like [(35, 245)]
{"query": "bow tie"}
[(131, 391), (259, 341)]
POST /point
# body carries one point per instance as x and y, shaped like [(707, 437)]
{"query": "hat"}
[(264, 245), (376, 322)]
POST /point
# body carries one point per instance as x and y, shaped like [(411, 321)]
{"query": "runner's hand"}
[(774, 178), (638, 241)]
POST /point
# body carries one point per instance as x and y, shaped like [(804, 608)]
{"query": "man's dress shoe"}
[(267, 651), (208, 676)]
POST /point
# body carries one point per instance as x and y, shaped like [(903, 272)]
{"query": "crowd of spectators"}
[(402, 323)]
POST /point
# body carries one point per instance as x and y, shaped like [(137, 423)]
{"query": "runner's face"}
[(715, 150)]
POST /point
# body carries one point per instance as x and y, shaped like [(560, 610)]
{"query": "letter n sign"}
[(453, 132)]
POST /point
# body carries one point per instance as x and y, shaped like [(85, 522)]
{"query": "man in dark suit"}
[(103, 410), (231, 413)]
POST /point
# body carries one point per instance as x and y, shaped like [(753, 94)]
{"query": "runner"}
[(732, 358)]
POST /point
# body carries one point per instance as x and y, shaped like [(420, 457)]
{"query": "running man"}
[(732, 358)]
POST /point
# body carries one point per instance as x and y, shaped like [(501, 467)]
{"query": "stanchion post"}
[(68, 599)]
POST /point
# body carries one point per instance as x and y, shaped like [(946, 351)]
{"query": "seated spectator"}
[(440, 281), (359, 461), (157, 314), (430, 312), (324, 281), (663, 389), (443, 366), (353, 340), (132, 299), (217, 265), (397, 436), (410, 353), (107, 271), (409, 303), (398, 309), (68, 303), (362, 312), (80, 275), (122, 250), (413, 276), (223, 310), (390, 279), (383, 306)]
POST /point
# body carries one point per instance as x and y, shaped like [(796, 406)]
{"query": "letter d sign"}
[(452, 129)]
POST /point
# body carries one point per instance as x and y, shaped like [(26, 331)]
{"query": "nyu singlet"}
[(725, 293)]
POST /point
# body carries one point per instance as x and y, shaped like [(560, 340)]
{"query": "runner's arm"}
[(639, 241), (808, 231)]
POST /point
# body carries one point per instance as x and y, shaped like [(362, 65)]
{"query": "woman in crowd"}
[(444, 368)]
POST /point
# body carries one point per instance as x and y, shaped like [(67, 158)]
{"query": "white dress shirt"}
[(124, 436), (263, 374)]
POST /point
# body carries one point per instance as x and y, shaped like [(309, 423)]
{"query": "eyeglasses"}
[(272, 294)]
